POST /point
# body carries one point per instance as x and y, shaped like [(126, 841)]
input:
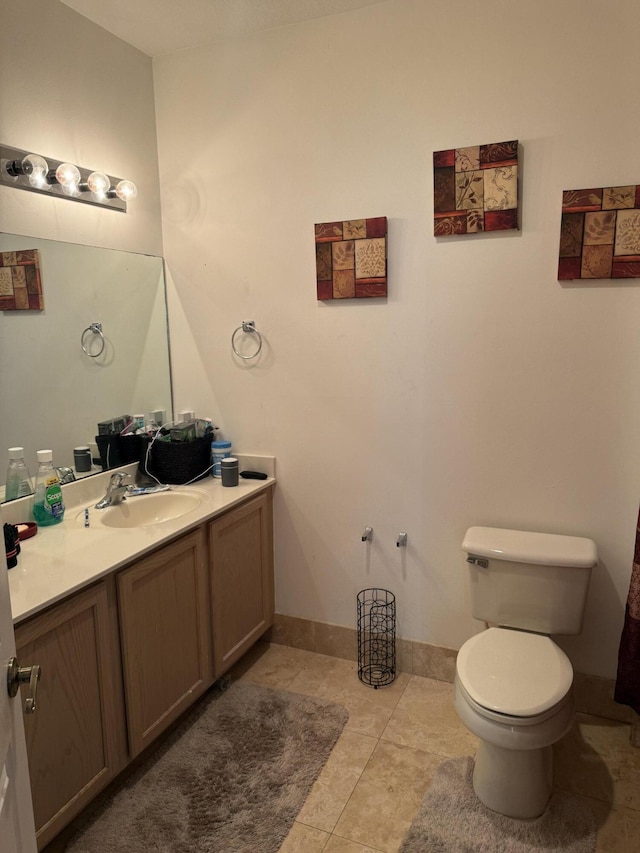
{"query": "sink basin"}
[(144, 510)]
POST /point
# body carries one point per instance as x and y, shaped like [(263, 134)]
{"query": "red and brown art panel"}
[(20, 282), (600, 233), (475, 189), (351, 258)]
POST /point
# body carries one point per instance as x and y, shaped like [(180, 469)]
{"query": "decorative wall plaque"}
[(351, 258), (475, 189), (600, 233), (20, 283)]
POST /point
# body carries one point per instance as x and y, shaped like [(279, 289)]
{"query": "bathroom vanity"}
[(137, 623)]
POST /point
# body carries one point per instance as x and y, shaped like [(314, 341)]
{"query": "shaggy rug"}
[(231, 777), (453, 820)]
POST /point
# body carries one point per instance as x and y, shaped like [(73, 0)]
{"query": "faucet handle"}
[(119, 478)]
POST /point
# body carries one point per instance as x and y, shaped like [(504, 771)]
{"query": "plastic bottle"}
[(18, 482), (219, 450), (48, 505)]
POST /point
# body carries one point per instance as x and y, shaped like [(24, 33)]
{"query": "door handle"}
[(17, 675)]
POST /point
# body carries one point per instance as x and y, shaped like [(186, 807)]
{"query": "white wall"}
[(72, 91), (482, 391)]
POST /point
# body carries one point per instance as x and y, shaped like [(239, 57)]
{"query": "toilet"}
[(512, 686)]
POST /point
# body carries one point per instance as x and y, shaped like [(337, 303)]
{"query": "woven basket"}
[(116, 450), (175, 462)]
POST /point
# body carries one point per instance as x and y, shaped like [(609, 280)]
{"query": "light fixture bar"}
[(26, 170)]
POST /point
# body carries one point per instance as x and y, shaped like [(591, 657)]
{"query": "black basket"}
[(116, 450), (176, 463), (376, 637)]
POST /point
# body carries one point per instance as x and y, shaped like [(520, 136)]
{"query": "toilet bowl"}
[(513, 684), (512, 689)]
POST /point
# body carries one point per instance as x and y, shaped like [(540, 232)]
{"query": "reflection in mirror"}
[(53, 393)]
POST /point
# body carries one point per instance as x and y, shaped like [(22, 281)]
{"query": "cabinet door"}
[(165, 632), (241, 565), (76, 739)]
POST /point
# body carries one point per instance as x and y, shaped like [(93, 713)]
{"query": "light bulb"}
[(126, 190), (32, 166), (98, 183), (36, 168), (68, 175)]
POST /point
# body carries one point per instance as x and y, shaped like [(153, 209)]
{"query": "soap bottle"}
[(48, 505), (18, 482)]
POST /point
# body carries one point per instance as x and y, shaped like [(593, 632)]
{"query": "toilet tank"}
[(534, 581)]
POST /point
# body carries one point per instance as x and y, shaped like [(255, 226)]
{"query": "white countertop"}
[(65, 557)]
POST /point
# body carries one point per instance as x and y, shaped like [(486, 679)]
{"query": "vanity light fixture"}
[(28, 171)]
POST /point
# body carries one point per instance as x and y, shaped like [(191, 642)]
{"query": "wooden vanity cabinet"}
[(124, 658), (241, 567), (76, 739), (165, 632)]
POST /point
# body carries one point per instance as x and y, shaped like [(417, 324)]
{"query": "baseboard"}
[(593, 695)]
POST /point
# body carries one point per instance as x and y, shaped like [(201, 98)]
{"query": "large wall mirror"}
[(53, 393)]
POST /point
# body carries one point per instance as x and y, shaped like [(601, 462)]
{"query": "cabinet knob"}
[(17, 675)]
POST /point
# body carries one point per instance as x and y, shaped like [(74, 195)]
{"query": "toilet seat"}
[(514, 673)]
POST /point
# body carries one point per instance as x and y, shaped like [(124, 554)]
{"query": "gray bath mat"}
[(232, 777), (453, 820)]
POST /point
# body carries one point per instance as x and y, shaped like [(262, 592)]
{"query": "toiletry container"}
[(48, 504), (82, 459), (18, 482), (229, 471), (219, 451)]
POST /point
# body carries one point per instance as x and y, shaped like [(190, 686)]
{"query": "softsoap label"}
[(53, 498)]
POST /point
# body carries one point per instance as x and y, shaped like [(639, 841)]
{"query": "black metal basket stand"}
[(376, 637)]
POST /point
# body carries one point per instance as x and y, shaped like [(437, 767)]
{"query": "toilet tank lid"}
[(520, 546)]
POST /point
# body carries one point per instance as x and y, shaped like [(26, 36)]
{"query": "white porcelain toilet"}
[(512, 687)]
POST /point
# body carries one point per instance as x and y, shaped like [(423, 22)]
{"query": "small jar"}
[(229, 470), (82, 458), (219, 451)]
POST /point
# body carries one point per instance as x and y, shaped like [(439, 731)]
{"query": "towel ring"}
[(96, 328), (249, 327)]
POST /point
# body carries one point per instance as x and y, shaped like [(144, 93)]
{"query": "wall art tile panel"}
[(600, 233), (351, 258), (476, 189), (20, 282)]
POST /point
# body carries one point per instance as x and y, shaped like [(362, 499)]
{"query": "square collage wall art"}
[(20, 282), (475, 189), (600, 233), (351, 258)]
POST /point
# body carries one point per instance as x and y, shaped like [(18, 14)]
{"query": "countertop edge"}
[(53, 564)]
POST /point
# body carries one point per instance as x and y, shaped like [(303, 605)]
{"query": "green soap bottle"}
[(48, 504)]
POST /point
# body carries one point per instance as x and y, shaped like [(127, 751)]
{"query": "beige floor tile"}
[(339, 776), (304, 839), (596, 760), (340, 845), (387, 797), (426, 719), (337, 680), (272, 665), (619, 831)]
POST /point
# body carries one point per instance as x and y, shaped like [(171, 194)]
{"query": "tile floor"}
[(373, 783)]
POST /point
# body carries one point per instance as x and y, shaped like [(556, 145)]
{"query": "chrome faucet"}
[(116, 490)]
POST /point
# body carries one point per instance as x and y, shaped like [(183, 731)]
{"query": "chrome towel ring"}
[(96, 328), (249, 327)]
